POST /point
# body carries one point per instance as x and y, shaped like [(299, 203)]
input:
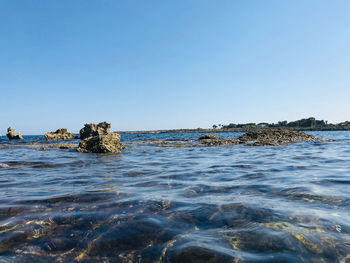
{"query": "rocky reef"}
[(95, 138), (60, 134), (53, 146), (209, 137), (256, 137), (12, 135), (92, 129), (275, 137), (262, 137), (215, 140), (218, 142), (99, 139)]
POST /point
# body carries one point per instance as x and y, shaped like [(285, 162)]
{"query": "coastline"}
[(233, 130)]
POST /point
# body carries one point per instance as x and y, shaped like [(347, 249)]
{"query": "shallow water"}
[(164, 204)]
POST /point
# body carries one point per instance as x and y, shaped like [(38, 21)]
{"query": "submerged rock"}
[(198, 254), (92, 129), (12, 135), (60, 134), (105, 143), (275, 137), (133, 235), (53, 146)]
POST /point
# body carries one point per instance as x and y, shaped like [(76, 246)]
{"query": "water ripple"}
[(153, 204)]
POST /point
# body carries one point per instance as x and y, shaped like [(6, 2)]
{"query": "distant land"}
[(307, 124)]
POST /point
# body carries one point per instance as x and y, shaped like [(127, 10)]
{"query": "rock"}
[(263, 137), (198, 254), (215, 140), (92, 129), (3, 165), (60, 134), (129, 236), (12, 136), (275, 137), (104, 143), (53, 146), (98, 139), (218, 142), (209, 137)]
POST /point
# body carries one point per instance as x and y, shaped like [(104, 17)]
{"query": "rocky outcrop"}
[(105, 143), (263, 137), (52, 146), (209, 137), (214, 140), (60, 134), (218, 142), (91, 130), (98, 139), (12, 135), (275, 137)]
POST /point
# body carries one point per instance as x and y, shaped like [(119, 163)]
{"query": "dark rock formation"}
[(92, 129), (209, 136), (275, 137), (12, 136), (60, 134), (105, 143)]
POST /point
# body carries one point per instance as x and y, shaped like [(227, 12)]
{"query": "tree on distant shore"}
[(282, 123), (302, 123)]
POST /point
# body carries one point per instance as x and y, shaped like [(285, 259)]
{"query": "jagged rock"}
[(60, 134), (12, 136), (92, 129), (209, 137), (98, 139), (275, 137), (105, 143)]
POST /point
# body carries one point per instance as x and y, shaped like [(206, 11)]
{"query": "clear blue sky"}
[(171, 64)]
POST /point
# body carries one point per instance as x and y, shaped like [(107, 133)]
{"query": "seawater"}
[(176, 204)]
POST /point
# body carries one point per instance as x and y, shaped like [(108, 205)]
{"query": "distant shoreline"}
[(231, 130)]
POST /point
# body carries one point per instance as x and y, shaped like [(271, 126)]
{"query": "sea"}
[(154, 203)]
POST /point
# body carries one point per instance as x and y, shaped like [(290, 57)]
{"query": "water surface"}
[(164, 204)]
